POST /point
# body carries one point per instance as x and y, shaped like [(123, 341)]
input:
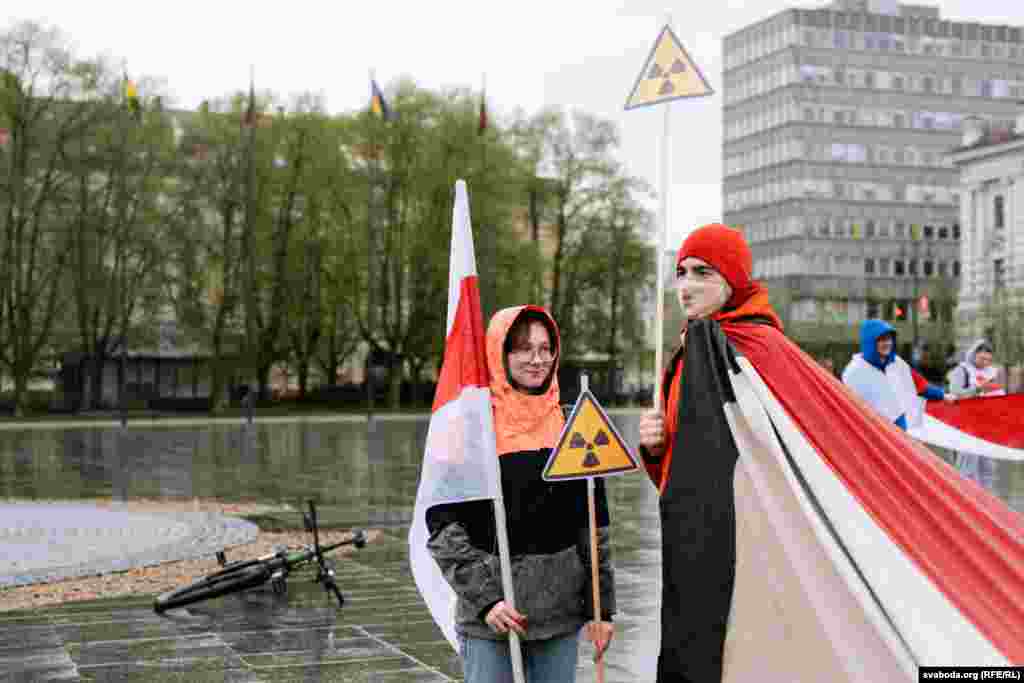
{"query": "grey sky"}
[(573, 54)]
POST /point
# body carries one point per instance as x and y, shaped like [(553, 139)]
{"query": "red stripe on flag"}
[(465, 351), (968, 542), (999, 419)]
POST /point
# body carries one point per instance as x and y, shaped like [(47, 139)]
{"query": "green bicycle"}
[(242, 575)]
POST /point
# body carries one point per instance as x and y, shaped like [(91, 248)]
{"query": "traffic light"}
[(899, 310)]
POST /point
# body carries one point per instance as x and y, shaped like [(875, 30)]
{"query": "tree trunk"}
[(395, 375)]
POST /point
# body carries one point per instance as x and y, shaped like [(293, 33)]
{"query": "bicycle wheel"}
[(230, 580)]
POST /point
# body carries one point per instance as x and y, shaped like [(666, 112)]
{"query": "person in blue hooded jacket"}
[(886, 381)]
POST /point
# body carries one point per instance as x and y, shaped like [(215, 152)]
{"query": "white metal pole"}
[(515, 650), (659, 320)]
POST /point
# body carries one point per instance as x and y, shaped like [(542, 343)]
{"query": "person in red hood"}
[(548, 524), (799, 534)]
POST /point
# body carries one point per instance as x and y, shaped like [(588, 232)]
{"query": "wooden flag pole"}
[(595, 580)]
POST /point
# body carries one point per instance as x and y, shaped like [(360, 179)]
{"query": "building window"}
[(808, 114), (874, 309), (928, 84), (897, 82), (929, 268), (912, 267), (943, 233), (956, 269), (869, 266), (883, 266), (869, 229), (998, 274), (897, 267), (956, 231), (942, 269), (929, 232), (824, 228), (869, 79), (998, 209)]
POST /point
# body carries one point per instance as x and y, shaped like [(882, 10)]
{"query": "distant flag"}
[(249, 118), (131, 98), (483, 113), (378, 105), (5, 136)]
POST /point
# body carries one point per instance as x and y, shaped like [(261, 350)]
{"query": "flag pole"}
[(595, 576), (508, 589), (371, 177)]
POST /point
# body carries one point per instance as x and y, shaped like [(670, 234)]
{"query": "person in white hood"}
[(975, 375)]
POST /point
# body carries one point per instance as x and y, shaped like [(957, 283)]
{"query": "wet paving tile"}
[(200, 652)]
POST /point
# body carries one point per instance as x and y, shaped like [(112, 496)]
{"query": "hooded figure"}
[(548, 524), (975, 376), (887, 382), (799, 530)]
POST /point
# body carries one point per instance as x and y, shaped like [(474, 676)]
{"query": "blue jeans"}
[(544, 661)]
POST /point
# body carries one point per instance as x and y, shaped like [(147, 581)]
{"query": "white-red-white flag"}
[(460, 462)]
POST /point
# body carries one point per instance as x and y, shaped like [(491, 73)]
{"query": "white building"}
[(991, 164)]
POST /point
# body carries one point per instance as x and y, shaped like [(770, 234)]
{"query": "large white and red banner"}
[(989, 426), (460, 462)]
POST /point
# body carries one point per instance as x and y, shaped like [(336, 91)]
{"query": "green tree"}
[(117, 225), (46, 103)]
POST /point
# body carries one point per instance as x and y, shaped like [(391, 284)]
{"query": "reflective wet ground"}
[(360, 478)]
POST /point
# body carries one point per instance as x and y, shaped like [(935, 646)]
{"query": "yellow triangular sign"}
[(589, 446), (668, 74)]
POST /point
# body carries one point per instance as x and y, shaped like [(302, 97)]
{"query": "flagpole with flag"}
[(460, 460), (668, 74)]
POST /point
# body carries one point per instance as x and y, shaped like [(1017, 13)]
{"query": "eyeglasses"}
[(525, 355)]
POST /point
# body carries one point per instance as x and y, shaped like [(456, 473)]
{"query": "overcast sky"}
[(570, 53)]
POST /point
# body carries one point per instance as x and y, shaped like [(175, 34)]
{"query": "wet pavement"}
[(359, 477), (383, 634), (41, 542)]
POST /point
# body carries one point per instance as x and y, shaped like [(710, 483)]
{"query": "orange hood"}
[(522, 422)]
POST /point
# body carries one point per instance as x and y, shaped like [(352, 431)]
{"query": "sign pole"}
[(659, 321), (595, 578)]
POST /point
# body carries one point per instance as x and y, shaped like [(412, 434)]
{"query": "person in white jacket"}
[(887, 382)]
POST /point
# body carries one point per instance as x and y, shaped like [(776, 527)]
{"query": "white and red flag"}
[(989, 426), (460, 461)]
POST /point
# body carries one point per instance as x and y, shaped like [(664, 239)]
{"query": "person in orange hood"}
[(799, 534), (548, 524)]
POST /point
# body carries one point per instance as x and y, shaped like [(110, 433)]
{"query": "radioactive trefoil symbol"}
[(590, 459)]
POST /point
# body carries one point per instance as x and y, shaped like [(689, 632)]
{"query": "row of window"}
[(852, 228), (744, 86), (757, 47), (853, 266), (836, 152), (842, 311), (863, 191), (736, 127)]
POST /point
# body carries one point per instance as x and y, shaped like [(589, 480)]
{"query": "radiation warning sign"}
[(668, 74), (589, 446)]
